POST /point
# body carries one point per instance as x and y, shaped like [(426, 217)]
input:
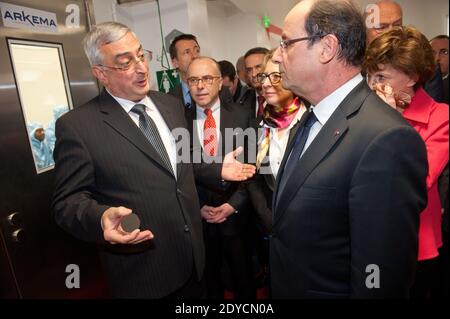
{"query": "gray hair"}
[(101, 34), (343, 19)]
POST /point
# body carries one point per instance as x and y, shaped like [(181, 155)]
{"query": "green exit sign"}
[(167, 80)]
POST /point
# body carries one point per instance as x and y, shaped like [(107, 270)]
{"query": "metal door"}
[(34, 252)]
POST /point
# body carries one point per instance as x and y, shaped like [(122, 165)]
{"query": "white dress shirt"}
[(201, 117), (163, 129), (325, 108), (278, 142)]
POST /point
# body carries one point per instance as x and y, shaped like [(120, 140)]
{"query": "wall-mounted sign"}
[(27, 18), (167, 80), (169, 38)]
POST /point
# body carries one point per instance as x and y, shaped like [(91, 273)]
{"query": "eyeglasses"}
[(285, 43), (441, 52), (274, 77), (207, 79), (144, 56)]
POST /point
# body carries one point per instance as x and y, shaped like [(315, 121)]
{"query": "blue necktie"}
[(148, 127), (300, 141)]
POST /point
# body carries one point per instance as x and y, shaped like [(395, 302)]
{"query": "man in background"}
[(253, 98), (224, 210), (440, 50), (183, 49), (389, 14), (240, 69), (230, 80)]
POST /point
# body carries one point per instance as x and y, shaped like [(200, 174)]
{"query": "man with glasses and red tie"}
[(116, 158), (351, 186), (224, 209)]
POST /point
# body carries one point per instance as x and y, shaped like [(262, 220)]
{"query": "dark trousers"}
[(231, 252), (428, 280)]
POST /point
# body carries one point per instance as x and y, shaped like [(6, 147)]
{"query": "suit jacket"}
[(446, 89), (103, 160), (353, 202), (248, 101), (430, 119), (260, 188), (239, 93), (435, 86), (231, 117)]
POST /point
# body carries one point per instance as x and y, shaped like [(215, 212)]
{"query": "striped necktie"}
[(148, 127)]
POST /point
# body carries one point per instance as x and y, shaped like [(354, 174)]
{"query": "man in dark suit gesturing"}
[(352, 184), (116, 155)]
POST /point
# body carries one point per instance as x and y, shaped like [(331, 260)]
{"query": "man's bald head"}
[(382, 16)]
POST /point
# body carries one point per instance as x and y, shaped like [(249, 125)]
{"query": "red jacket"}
[(431, 120)]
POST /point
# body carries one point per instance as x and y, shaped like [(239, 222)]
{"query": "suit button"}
[(186, 228), (179, 192)]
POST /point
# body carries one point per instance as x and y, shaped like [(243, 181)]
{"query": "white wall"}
[(226, 32), (233, 34), (199, 24), (146, 25)]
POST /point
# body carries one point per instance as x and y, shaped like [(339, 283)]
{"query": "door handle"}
[(18, 235), (15, 219)]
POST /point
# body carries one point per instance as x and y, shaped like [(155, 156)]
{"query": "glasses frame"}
[(206, 80), (443, 52), (284, 44), (148, 55), (269, 77)]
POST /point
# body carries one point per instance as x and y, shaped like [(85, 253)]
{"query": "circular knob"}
[(15, 219), (18, 235)]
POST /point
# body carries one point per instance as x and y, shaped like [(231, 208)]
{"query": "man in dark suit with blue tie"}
[(352, 183), (116, 155)]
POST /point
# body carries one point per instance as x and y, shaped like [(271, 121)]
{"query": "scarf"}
[(278, 117)]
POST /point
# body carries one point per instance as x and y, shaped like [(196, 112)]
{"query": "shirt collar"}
[(214, 109), (419, 109), (127, 105), (325, 108), (185, 89)]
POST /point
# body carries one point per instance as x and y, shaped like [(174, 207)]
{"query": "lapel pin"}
[(337, 132)]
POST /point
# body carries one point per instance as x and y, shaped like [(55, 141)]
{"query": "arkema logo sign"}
[(27, 18)]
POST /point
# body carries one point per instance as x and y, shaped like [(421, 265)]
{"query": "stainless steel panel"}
[(34, 253)]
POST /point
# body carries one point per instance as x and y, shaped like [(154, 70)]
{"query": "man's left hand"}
[(221, 213)]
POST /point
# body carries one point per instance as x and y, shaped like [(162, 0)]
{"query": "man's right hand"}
[(113, 231)]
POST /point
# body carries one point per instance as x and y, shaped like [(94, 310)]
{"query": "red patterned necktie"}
[(209, 134), (260, 105)]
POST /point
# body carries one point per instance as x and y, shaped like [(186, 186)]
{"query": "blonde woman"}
[(278, 126)]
